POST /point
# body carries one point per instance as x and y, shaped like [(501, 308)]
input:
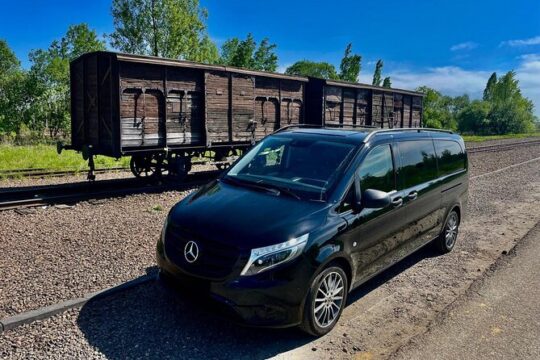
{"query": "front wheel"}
[(447, 239), (325, 301)]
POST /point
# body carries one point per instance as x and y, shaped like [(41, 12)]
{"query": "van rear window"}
[(450, 156), (418, 164)]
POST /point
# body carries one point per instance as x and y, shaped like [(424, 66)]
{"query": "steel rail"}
[(13, 198)]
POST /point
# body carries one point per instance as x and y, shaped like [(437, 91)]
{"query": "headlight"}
[(267, 257)]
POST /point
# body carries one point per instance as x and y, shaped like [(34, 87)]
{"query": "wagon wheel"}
[(178, 165), (224, 158), (148, 166)]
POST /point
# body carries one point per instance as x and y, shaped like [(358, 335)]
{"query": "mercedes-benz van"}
[(309, 214)]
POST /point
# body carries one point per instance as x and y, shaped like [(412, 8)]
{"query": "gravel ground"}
[(96, 252), (496, 319), (71, 248), (483, 162), (472, 144)]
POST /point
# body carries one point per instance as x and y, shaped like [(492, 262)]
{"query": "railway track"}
[(35, 173), (41, 173), (13, 198), (502, 147)]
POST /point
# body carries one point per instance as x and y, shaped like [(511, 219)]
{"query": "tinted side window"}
[(450, 156), (377, 170), (418, 163)]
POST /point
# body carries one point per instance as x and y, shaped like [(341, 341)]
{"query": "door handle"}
[(397, 202), (413, 195)]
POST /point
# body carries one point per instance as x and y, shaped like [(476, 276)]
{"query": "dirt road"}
[(499, 318)]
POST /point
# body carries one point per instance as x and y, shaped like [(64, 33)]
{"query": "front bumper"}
[(274, 298)]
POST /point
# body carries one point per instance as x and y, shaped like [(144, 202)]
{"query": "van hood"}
[(243, 217)]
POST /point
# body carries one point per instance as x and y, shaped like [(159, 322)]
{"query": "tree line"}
[(502, 109), (35, 102)]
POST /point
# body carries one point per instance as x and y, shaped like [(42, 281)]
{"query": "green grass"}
[(45, 157), (478, 138)]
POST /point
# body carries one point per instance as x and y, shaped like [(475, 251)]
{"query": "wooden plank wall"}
[(267, 108), (91, 117), (388, 110), (363, 108), (142, 105), (356, 106), (243, 108), (185, 107), (398, 110), (255, 106), (217, 106), (376, 108), (416, 119), (348, 106), (107, 138), (332, 105), (77, 104), (292, 102), (407, 99)]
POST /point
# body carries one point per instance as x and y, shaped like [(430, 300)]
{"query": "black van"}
[(308, 214)]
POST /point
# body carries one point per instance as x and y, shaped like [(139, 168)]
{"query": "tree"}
[(48, 78), (322, 70), (12, 90), (437, 110), (377, 75), (247, 54), (168, 28), (488, 91), (8, 60), (474, 118), (265, 58), (510, 111), (350, 65), (387, 83)]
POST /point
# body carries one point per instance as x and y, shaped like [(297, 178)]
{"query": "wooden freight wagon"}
[(162, 112), (335, 103)]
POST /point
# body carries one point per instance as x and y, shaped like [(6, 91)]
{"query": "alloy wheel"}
[(451, 230), (329, 299)]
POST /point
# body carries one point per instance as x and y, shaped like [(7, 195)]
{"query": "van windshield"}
[(303, 167)]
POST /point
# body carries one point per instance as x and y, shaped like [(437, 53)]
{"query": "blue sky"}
[(450, 45)]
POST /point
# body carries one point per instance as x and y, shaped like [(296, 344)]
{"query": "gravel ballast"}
[(85, 248)]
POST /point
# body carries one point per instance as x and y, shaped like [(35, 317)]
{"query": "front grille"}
[(215, 261)]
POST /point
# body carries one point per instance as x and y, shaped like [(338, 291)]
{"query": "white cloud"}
[(522, 42), (281, 68), (528, 74), (468, 45), (450, 80), (453, 80)]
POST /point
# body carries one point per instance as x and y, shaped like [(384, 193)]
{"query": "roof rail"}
[(353, 126), (314, 126), (297, 126), (373, 133)]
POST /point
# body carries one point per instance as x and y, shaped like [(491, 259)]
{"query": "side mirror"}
[(375, 199)]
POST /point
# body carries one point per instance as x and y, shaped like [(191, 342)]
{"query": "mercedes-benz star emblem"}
[(191, 251)]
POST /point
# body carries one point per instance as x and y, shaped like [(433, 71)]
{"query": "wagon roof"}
[(145, 59), (372, 87)]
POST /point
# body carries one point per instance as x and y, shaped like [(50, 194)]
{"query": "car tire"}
[(447, 238), (325, 301)]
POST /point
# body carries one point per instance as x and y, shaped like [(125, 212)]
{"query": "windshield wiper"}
[(281, 189), (249, 184)]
